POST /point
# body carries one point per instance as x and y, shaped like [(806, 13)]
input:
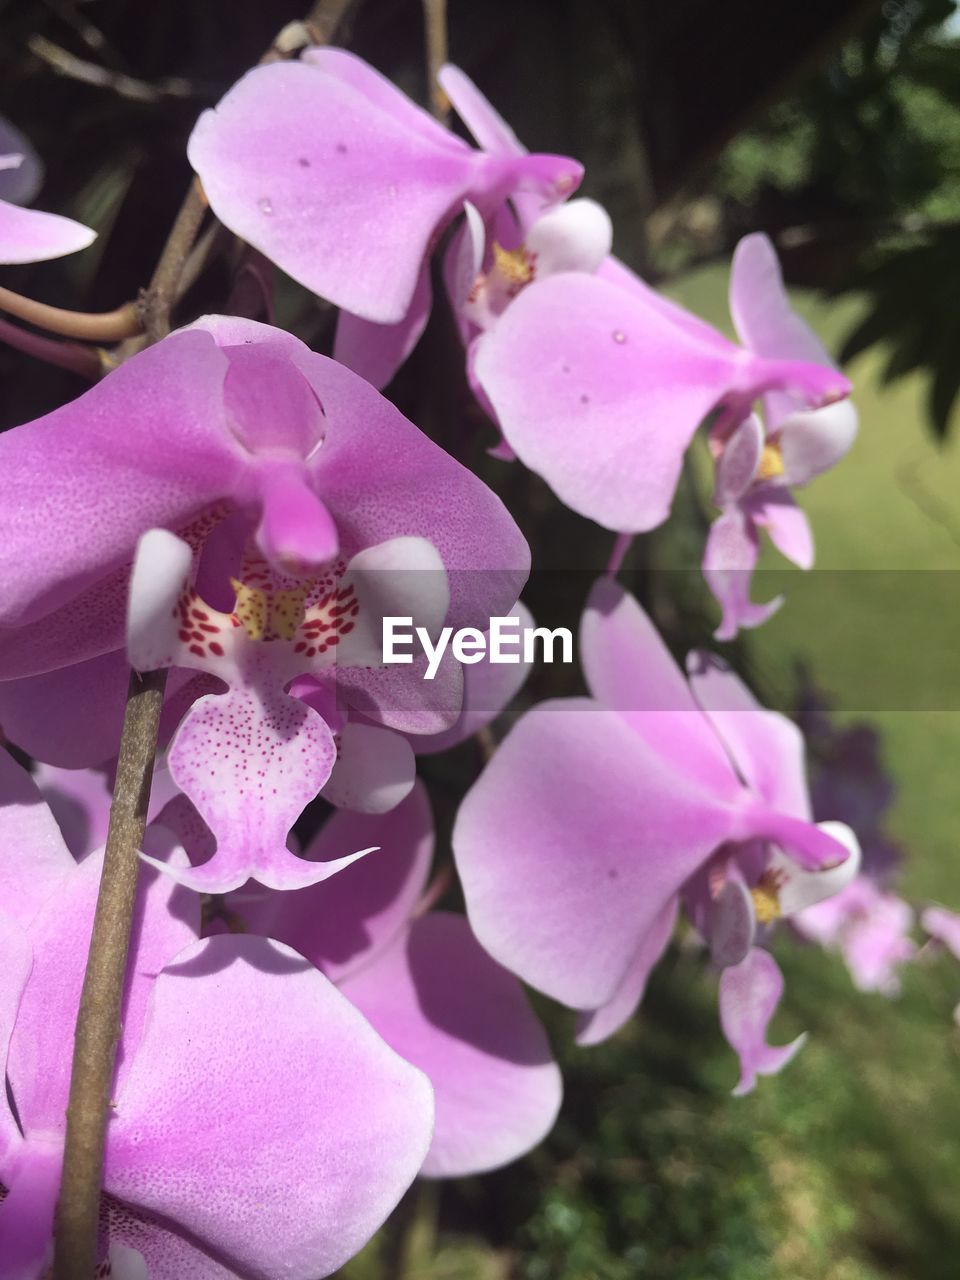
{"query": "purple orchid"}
[(354, 213), (259, 1124), (424, 983), (596, 816), (757, 465), (285, 506)]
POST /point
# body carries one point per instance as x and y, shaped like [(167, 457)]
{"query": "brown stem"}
[(105, 326), (161, 293), (98, 1020), (435, 23)]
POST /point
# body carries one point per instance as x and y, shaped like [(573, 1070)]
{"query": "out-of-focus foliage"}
[(859, 172)]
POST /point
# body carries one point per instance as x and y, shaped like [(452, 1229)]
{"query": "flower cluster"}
[(303, 1030)]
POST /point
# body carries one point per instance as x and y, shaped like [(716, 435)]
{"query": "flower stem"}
[(435, 22), (98, 1020), (105, 326), (161, 294)]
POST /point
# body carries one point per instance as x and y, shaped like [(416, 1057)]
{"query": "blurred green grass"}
[(847, 1165)]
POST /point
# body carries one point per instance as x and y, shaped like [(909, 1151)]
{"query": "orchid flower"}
[(870, 927), (598, 385), (597, 816), (424, 983), (286, 507), (238, 1145), (354, 211), (757, 465)]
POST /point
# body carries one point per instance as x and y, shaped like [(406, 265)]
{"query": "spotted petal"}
[(250, 760)]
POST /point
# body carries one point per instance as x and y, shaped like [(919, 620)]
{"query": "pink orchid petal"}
[(438, 999), (161, 570), (814, 440), (766, 747), (296, 533), (729, 559), (129, 1234), (488, 688), (349, 69), (127, 1264), (32, 1179), (270, 405), (798, 888), (376, 351), (463, 261), (28, 235), (812, 847), (733, 923), (34, 861), (599, 1024), (943, 925), (604, 408), (79, 800), (178, 385), (573, 237), (41, 1047), (630, 670), (488, 127), (749, 995), (17, 957), (251, 760), (342, 924), (404, 577), (401, 698), (572, 842), (773, 508), (761, 310), (737, 464), (876, 948), (335, 1124), (72, 717), (619, 274), (375, 770), (374, 188), (764, 319)]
